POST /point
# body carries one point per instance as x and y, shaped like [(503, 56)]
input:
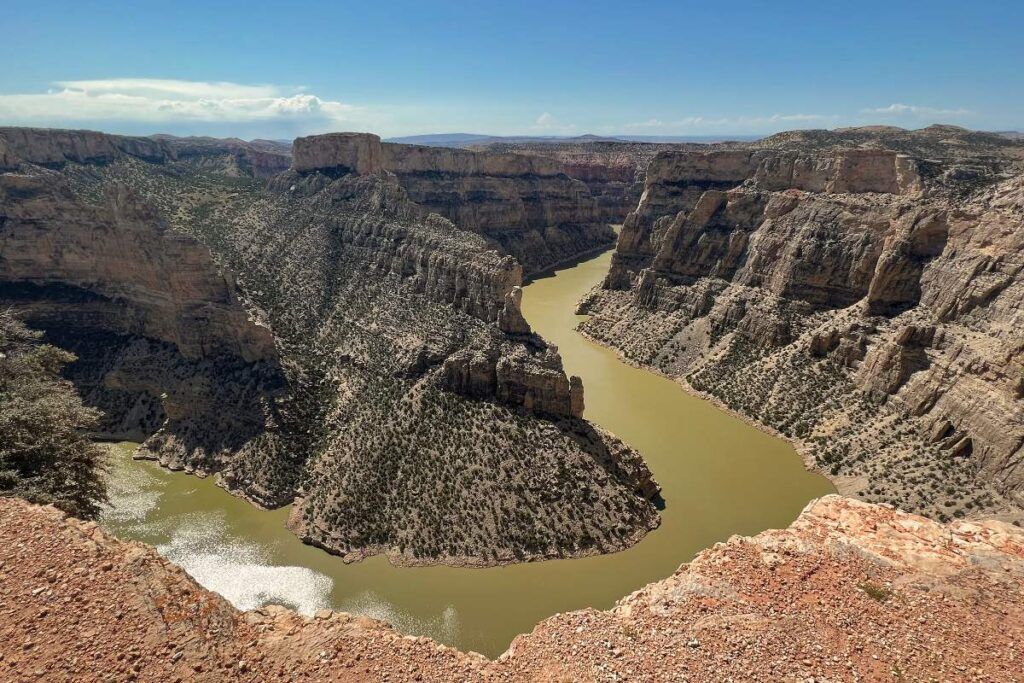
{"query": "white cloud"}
[(905, 109), (168, 87), (548, 122), (693, 123), (169, 101)]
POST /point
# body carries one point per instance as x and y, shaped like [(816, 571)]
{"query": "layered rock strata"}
[(858, 291), (614, 172), (850, 591), (368, 359), (54, 148), (167, 350), (525, 206)]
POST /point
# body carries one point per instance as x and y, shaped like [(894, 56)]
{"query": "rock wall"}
[(166, 347), (857, 297), (848, 591), (525, 206), (614, 172), (54, 148)]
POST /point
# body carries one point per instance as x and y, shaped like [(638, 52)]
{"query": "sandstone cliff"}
[(54, 148), (850, 591), (614, 172), (859, 291), (390, 384), (167, 349), (525, 206)]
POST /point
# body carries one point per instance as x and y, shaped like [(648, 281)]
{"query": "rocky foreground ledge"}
[(850, 591)]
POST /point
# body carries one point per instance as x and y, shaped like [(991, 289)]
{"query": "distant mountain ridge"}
[(477, 139)]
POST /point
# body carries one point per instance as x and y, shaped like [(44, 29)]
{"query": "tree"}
[(46, 454)]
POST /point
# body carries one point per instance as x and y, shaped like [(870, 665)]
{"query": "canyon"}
[(339, 326), (312, 336), (859, 291)]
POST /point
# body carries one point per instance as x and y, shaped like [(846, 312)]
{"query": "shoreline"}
[(395, 559), (844, 486), (801, 448), (568, 261)]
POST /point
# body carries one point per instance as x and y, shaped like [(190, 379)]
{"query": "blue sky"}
[(278, 69)]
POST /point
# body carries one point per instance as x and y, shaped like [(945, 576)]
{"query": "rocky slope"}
[(367, 360), (53, 148), (850, 591), (525, 206), (861, 291)]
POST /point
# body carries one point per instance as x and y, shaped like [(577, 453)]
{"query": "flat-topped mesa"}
[(524, 205), (404, 159), (847, 171), (338, 152), (47, 147), (613, 170)]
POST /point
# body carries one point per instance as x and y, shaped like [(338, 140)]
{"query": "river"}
[(719, 477)]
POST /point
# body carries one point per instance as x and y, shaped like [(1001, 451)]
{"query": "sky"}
[(279, 69)]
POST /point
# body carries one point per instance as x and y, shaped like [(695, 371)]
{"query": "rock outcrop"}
[(523, 205), (614, 171), (318, 337), (338, 153), (859, 291), (850, 591)]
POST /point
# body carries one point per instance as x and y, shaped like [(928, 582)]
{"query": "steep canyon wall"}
[(523, 205), (859, 291)]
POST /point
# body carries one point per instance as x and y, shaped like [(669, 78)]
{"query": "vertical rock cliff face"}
[(613, 171), (400, 385), (525, 206), (859, 291), (166, 348)]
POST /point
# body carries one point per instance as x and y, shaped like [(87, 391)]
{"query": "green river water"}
[(719, 477)]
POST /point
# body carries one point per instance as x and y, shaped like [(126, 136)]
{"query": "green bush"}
[(46, 455)]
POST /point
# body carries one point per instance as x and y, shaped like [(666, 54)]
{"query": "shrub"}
[(46, 455)]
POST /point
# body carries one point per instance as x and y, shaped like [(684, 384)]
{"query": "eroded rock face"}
[(54, 148), (343, 152), (851, 297), (525, 206), (350, 393), (849, 590), (166, 348), (613, 171)]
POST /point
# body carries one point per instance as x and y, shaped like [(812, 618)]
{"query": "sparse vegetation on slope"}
[(415, 422), (862, 303)]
